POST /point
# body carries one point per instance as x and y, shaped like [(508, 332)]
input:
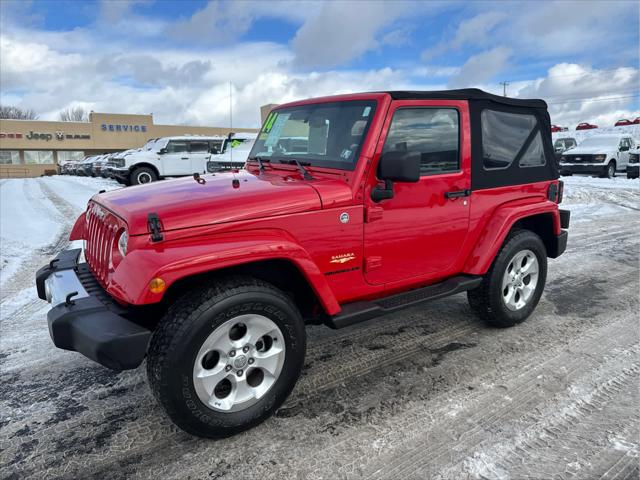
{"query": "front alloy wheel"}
[(239, 363), (226, 355)]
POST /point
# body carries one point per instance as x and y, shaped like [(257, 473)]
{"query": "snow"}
[(36, 212), (580, 135)]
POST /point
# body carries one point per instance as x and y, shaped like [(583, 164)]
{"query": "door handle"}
[(457, 193), (184, 158)]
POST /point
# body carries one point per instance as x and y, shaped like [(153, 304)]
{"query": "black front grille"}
[(634, 158), (94, 289), (578, 158)]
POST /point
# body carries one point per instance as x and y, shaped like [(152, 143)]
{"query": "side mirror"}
[(162, 151), (396, 166), (399, 166)]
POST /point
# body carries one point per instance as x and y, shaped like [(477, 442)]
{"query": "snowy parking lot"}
[(429, 392)]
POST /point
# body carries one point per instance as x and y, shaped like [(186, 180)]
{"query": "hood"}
[(184, 202), (589, 150)]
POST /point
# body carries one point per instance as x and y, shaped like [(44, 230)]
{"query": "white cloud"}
[(474, 31), (481, 67)]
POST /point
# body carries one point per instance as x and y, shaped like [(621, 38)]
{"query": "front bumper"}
[(85, 319), (582, 168), (633, 170)]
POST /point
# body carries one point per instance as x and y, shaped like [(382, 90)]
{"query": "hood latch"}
[(155, 227)]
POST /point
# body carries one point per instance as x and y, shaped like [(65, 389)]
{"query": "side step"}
[(360, 311)]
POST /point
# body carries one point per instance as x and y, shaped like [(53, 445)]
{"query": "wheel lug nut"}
[(239, 373), (232, 353), (227, 368), (245, 349), (251, 360)]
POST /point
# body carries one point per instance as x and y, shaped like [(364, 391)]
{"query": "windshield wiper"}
[(305, 173), (260, 159)]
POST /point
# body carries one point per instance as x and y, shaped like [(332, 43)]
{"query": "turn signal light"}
[(157, 285)]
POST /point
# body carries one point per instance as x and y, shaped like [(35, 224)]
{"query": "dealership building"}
[(31, 148)]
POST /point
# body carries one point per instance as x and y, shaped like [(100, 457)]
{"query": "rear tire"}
[(226, 356), (142, 175), (512, 287)]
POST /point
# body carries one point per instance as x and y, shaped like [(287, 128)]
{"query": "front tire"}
[(610, 171), (512, 287), (142, 175), (226, 356)]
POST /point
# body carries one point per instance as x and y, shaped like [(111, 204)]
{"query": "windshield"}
[(600, 141), (323, 135)]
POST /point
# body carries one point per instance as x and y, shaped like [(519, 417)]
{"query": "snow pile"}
[(580, 135)]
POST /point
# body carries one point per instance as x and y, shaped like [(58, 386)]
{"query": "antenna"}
[(230, 123)]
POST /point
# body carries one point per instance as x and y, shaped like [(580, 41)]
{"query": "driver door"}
[(421, 230), (623, 154), (199, 152), (175, 161)]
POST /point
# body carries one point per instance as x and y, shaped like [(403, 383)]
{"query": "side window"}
[(216, 146), (624, 145), (176, 146), (434, 132), (199, 147), (503, 136), (534, 156)]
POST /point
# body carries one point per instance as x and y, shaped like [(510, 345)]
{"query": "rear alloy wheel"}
[(142, 175), (226, 356), (512, 287)]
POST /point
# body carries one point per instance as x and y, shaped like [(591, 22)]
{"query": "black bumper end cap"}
[(560, 245), (89, 328)]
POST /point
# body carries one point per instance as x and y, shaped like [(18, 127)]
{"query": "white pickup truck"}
[(173, 157), (600, 154)]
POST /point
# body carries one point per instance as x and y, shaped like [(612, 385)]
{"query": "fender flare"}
[(498, 227), (174, 260), (77, 231)]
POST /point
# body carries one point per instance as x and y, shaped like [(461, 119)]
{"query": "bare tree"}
[(16, 113), (74, 114)]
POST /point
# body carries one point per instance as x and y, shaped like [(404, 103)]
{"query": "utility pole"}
[(504, 88)]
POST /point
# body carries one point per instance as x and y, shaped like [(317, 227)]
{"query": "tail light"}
[(556, 191)]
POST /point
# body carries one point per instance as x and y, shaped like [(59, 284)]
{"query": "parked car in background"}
[(562, 144), (99, 163), (555, 128), (623, 122), (167, 157), (114, 159), (585, 126), (85, 167), (601, 154), (634, 163), (235, 152)]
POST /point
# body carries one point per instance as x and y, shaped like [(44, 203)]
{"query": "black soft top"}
[(466, 94)]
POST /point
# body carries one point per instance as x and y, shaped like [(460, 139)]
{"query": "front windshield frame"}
[(369, 106)]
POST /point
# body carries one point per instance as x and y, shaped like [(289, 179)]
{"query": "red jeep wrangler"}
[(351, 207)]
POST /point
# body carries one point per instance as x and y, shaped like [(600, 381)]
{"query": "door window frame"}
[(420, 107), (464, 133)]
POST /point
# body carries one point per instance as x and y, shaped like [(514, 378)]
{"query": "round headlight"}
[(122, 243)]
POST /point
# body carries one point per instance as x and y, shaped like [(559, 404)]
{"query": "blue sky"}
[(176, 59)]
